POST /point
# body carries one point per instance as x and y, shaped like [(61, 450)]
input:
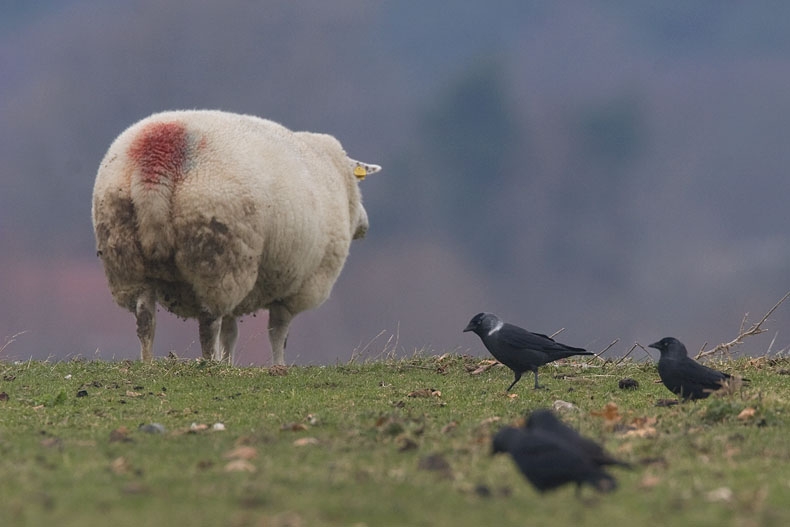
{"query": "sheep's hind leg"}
[(145, 311), (209, 330), (228, 336), (279, 320)]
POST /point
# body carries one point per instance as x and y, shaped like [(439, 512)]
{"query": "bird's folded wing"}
[(693, 372), (521, 338)]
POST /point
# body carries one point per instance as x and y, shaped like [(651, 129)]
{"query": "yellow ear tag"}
[(360, 172)]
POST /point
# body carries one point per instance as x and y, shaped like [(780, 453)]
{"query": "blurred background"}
[(617, 169)]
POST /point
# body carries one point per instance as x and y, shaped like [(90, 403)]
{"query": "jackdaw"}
[(545, 420), (517, 348), (682, 375), (549, 462)]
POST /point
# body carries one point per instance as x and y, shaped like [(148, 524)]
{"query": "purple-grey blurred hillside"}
[(616, 169)]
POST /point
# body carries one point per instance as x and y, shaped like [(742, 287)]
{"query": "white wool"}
[(214, 215)]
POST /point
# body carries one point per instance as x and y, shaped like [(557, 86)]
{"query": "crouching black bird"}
[(545, 420), (682, 375), (549, 462), (517, 348)]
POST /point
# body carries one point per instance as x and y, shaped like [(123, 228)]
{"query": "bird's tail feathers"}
[(570, 352)]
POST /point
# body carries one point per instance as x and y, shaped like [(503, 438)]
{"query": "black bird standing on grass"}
[(517, 348), (548, 462), (682, 375), (545, 420)]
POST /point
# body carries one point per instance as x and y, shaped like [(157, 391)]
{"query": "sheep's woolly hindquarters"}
[(215, 215)]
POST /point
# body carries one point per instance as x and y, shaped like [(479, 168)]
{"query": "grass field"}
[(395, 442)]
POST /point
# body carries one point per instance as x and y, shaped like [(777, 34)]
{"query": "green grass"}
[(81, 461)]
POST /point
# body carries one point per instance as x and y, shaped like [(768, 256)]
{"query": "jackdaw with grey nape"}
[(517, 348)]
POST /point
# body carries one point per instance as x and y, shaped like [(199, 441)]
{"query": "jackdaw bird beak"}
[(469, 327), (655, 345)]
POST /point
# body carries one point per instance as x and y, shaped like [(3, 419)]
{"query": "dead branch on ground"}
[(755, 329)]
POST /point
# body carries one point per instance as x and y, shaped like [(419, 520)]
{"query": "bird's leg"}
[(537, 386), (518, 376)]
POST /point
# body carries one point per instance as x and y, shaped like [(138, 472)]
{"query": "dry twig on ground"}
[(621, 359), (755, 329), (607, 348)]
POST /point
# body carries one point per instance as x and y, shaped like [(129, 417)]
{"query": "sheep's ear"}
[(362, 170)]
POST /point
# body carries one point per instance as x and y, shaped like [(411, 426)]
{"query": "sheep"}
[(215, 215)]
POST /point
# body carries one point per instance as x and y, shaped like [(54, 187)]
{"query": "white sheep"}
[(216, 215)]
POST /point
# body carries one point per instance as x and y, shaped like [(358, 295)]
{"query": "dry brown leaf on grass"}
[(120, 466), (484, 366), (425, 392), (239, 465), (625, 448), (649, 481), (441, 368), (293, 427), (641, 427), (130, 393), (381, 420), (449, 427), (239, 459), (490, 420), (306, 441), (520, 422), (747, 413), (758, 363), (241, 452), (610, 414), (120, 434)]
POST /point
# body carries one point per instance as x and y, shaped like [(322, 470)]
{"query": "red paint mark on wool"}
[(159, 151)]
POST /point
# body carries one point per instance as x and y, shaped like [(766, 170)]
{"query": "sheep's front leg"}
[(209, 329), (228, 337), (146, 323), (279, 320)]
